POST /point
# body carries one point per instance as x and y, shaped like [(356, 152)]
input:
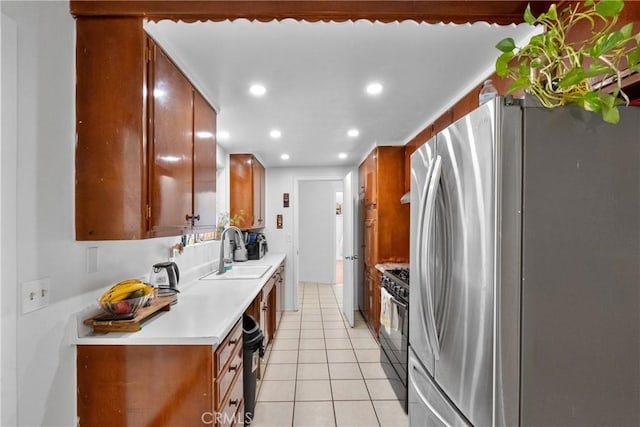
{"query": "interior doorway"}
[(317, 231)]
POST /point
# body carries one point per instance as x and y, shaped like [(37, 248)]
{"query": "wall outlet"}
[(35, 295)]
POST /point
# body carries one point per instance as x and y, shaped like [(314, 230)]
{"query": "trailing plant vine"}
[(559, 72)]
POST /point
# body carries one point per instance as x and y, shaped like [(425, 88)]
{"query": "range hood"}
[(406, 198)]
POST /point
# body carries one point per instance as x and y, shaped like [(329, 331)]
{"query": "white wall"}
[(317, 225), (279, 181), (38, 228)]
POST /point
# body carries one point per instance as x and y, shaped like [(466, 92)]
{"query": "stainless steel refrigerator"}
[(525, 270)]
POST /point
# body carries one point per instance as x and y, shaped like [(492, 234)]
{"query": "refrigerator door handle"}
[(419, 254), (424, 399), (426, 219)]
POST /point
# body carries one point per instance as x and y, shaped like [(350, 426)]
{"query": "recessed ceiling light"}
[(257, 90), (342, 155), (353, 133), (275, 133), (374, 88), (284, 156), (223, 135)]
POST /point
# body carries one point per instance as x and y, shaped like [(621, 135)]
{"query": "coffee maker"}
[(256, 246), (165, 277)]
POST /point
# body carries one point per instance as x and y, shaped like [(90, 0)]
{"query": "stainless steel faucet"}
[(239, 238)]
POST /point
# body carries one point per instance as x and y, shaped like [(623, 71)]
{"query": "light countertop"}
[(390, 266), (204, 314)]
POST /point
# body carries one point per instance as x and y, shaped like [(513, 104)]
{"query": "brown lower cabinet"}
[(371, 310), (279, 294), (171, 385), (161, 385), (265, 308), (268, 315)]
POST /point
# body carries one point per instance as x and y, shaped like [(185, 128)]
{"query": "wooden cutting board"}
[(135, 324)]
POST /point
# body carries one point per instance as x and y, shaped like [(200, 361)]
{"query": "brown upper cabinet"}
[(247, 190), (146, 151), (204, 162), (183, 161), (171, 145), (382, 187), (369, 183)]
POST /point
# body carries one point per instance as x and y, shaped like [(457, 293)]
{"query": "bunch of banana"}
[(127, 289)]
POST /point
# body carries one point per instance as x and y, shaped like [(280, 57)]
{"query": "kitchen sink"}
[(239, 272)]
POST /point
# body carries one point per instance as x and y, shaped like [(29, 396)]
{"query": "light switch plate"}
[(35, 295)]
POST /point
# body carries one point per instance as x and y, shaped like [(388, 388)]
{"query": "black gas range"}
[(394, 323), (396, 282)]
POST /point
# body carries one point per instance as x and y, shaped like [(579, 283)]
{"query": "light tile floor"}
[(320, 372)]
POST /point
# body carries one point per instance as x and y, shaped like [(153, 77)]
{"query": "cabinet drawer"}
[(229, 372), (229, 411), (225, 349)]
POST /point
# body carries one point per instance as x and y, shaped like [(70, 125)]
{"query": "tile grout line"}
[(366, 386), (313, 296)]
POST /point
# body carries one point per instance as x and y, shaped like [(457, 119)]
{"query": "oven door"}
[(395, 339)]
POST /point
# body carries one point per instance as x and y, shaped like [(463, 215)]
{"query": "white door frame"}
[(296, 227)]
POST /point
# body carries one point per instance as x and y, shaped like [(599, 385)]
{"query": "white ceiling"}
[(316, 73)]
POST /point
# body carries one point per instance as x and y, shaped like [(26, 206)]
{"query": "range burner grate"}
[(401, 274)]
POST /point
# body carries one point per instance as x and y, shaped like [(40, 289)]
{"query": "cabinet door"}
[(374, 314), (265, 319), (273, 310), (204, 163), (171, 163), (366, 291), (110, 167), (247, 190), (370, 180), (268, 315), (370, 243), (144, 385), (241, 188), (258, 194)]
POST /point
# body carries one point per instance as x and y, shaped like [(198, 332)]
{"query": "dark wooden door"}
[(258, 194), (371, 180), (241, 188), (204, 162), (111, 174), (171, 160)]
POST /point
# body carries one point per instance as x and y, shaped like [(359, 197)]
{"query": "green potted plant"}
[(559, 72)]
